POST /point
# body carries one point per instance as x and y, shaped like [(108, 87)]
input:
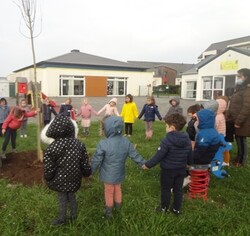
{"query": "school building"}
[(215, 73), (78, 74)]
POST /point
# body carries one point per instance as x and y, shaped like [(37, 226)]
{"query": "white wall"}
[(49, 77), (4, 88), (214, 69)]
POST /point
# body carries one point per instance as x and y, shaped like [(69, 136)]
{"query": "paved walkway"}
[(98, 102)]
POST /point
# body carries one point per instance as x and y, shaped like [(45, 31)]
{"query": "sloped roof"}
[(222, 45), (179, 67), (196, 67), (83, 60)]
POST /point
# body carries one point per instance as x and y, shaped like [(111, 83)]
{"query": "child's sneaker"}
[(176, 212), (21, 136), (25, 136), (225, 164), (3, 155), (161, 209)]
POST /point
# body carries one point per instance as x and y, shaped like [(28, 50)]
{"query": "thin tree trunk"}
[(36, 100)]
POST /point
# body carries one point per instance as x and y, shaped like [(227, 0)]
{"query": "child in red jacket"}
[(10, 126)]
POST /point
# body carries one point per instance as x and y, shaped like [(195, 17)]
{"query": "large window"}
[(71, 85), (212, 87), (116, 86), (191, 89)]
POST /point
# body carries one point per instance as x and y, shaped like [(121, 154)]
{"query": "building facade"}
[(215, 74), (79, 74)]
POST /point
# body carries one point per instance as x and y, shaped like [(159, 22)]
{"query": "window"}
[(117, 86), (71, 85), (212, 87), (191, 89)]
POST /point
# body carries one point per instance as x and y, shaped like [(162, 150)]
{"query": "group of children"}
[(66, 159)]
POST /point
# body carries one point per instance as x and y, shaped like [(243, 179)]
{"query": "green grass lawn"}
[(29, 210)]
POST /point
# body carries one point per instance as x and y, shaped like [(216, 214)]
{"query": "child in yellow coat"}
[(129, 114)]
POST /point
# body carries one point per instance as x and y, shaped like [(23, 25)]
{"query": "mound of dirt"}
[(22, 168)]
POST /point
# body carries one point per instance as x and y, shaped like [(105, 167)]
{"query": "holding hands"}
[(144, 167)]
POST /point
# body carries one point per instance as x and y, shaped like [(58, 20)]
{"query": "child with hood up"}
[(110, 157), (207, 140), (65, 163), (109, 109), (221, 123), (175, 107)]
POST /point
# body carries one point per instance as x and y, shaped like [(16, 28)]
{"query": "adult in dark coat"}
[(65, 163), (239, 113)]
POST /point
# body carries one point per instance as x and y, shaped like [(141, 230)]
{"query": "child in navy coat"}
[(149, 110), (173, 154)]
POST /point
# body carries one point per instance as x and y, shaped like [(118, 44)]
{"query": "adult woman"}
[(239, 113)]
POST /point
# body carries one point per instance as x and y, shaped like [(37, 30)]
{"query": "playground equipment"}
[(199, 174)]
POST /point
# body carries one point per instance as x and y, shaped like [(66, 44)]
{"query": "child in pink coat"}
[(85, 111), (220, 123), (110, 109)]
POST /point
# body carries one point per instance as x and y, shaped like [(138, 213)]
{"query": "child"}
[(65, 163), (85, 112), (149, 110), (129, 114), (220, 119), (110, 157), (211, 105), (4, 112), (110, 109), (192, 124), (47, 110), (174, 153), (67, 109), (175, 107), (11, 124), (23, 128), (207, 140)]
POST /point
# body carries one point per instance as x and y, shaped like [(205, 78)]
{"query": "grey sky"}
[(149, 30)]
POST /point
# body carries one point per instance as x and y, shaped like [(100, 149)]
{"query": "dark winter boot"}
[(108, 212), (58, 222), (118, 205)]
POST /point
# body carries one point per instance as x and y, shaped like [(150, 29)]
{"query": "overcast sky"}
[(145, 30)]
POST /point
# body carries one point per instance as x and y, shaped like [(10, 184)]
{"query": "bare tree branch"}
[(28, 12)]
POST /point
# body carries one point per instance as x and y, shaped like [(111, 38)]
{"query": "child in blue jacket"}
[(149, 110), (207, 141)]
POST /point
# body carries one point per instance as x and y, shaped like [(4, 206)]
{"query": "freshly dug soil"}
[(23, 168)]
